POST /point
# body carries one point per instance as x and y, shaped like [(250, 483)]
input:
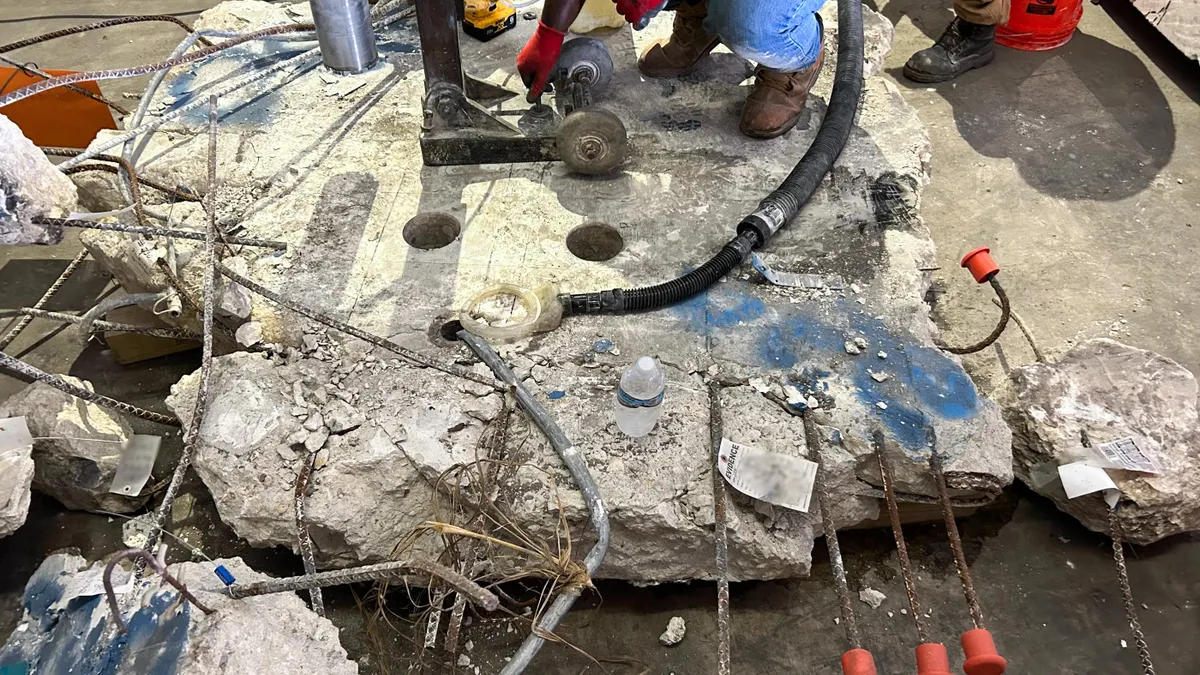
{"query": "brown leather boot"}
[(688, 44), (777, 99)]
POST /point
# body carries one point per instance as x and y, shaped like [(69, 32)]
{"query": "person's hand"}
[(639, 12), (536, 61)]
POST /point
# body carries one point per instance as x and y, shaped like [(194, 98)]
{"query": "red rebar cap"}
[(980, 651), (858, 662), (980, 263), (932, 659)]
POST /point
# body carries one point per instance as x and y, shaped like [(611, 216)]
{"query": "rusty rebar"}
[(31, 69), (107, 23), (50, 293), (956, 547), (303, 535), (716, 433), (146, 559), (99, 326), (177, 193), (845, 602), (910, 584)]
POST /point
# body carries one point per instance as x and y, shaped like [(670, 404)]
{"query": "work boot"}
[(963, 46), (688, 44), (777, 99)]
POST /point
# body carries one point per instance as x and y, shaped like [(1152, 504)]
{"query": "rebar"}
[(21, 368), (50, 293), (716, 432), (122, 73), (1005, 314), (146, 559), (200, 407), (956, 547), (107, 23), (32, 69), (131, 180), (845, 603), (411, 355), (178, 194), (99, 326), (303, 535), (910, 584), (161, 232), (1139, 638), (1037, 352), (579, 471), (473, 591)]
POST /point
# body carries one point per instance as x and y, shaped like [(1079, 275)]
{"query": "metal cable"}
[(32, 69), (956, 547), (105, 306), (716, 432), (161, 232), (108, 23), (144, 558), (150, 183), (122, 73), (1139, 638), (21, 368), (303, 536), (910, 584), (98, 326), (473, 591), (1005, 312), (50, 292), (845, 602)]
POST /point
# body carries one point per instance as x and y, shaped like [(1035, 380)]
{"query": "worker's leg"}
[(785, 38), (689, 43), (967, 43)]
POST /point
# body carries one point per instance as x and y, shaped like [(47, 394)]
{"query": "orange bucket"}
[(1038, 25)]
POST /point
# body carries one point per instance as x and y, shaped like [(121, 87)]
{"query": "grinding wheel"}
[(592, 141), (586, 60)]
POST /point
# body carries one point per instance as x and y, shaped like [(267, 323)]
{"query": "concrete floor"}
[(1078, 166)]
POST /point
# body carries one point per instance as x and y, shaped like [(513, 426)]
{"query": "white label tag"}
[(135, 465), (14, 433), (1124, 453), (779, 278), (1081, 478), (779, 479)]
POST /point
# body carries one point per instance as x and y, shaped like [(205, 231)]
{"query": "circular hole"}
[(449, 330), (428, 231), (595, 242)]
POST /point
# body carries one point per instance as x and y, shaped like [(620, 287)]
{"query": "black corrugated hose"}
[(778, 208)]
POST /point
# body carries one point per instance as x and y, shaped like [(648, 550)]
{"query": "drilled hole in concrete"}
[(595, 242), (450, 329), (428, 231)]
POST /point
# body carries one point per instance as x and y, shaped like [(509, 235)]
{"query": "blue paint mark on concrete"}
[(921, 382)]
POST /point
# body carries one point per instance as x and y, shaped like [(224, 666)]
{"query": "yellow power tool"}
[(485, 19)]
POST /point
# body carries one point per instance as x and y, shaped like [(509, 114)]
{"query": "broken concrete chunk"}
[(16, 477), (30, 187), (341, 417), (872, 597), (675, 632), (249, 334), (852, 347), (78, 447), (315, 421), (1107, 391), (316, 439)]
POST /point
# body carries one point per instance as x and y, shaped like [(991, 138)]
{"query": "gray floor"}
[(1078, 166)]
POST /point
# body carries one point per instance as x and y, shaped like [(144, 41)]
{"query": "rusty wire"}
[(99, 326), (716, 433), (50, 293), (107, 23), (161, 232), (131, 178), (144, 558), (845, 603), (910, 584), (956, 547)]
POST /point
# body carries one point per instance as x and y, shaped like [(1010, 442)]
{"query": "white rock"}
[(852, 348), (673, 635), (16, 477), (341, 417), (249, 334), (30, 187), (872, 597)]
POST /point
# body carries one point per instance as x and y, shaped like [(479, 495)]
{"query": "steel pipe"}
[(345, 34)]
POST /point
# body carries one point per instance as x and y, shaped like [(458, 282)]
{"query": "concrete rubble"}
[(67, 627), (16, 477), (30, 186), (76, 448), (339, 182), (1109, 391)]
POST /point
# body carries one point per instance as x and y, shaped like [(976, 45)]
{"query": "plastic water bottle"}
[(640, 397)]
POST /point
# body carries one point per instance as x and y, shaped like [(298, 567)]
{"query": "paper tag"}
[(14, 433), (1124, 453), (90, 583), (795, 280), (779, 479), (1081, 478), (135, 465)]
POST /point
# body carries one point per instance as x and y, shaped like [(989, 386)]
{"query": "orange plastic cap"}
[(858, 662), (932, 659), (980, 263), (980, 651)]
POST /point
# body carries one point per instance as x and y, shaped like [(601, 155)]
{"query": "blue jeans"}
[(782, 35)]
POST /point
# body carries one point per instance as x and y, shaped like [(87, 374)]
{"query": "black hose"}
[(778, 208)]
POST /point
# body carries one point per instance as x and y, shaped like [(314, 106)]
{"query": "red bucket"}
[(1038, 25)]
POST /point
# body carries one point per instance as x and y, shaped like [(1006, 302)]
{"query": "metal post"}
[(437, 24), (345, 34)]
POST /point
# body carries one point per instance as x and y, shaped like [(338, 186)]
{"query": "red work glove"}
[(536, 61), (639, 12)]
